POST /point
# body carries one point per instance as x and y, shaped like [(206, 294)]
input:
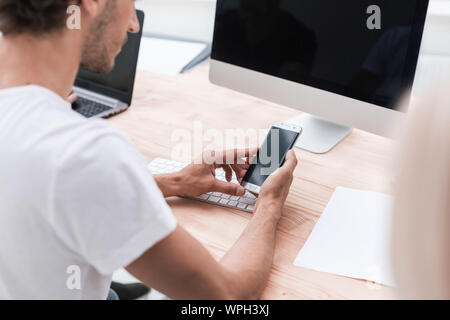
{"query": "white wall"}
[(191, 19), (436, 40)]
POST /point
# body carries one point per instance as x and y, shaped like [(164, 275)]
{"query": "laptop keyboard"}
[(245, 203), (89, 108)]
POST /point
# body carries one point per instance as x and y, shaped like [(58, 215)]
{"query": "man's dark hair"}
[(33, 16)]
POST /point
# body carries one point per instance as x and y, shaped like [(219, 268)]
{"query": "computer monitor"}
[(344, 63)]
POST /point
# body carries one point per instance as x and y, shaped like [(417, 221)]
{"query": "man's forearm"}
[(250, 259), (169, 184)]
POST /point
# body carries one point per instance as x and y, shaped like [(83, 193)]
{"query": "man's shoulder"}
[(95, 141), (37, 124), (31, 95)]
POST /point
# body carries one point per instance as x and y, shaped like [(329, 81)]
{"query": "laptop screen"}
[(363, 49), (119, 83)]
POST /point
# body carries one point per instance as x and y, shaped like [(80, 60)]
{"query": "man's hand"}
[(200, 176), (275, 189), (72, 98), (182, 268)]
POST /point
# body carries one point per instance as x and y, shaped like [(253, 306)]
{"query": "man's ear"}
[(93, 7)]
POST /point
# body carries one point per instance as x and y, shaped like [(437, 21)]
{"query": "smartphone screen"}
[(271, 155)]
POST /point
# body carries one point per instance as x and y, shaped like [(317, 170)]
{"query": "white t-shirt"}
[(76, 200)]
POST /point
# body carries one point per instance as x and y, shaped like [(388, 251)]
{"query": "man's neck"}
[(51, 61)]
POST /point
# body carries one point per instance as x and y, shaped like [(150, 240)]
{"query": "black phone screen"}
[(271, 155)]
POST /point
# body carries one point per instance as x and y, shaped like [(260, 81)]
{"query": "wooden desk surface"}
[(163, 104)]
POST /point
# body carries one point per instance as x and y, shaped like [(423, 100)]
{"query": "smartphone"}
[(272, 154)]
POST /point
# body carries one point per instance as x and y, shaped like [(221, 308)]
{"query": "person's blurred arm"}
[(421, 230)]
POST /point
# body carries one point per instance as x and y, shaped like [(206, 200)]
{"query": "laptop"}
[(103, 96)]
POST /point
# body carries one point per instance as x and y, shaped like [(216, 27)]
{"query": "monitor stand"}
[(319, 135)]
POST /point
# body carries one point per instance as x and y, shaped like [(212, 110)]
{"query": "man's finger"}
[(72, 98), (228, 172), (228, 188), (240, 170)]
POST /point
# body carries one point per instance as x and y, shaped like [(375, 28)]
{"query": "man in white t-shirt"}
[(76, 199)]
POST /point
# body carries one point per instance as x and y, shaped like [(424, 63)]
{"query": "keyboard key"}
[(217, 194), (214, 199), (235, 198), (204, 197), (223, 201), (250, 207), (233, 203), (225, 196), (242, 205), (248, 201)]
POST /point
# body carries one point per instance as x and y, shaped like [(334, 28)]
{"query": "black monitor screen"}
[(362, 49), (119, 82)]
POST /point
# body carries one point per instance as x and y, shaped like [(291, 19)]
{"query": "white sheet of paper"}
[(167, 56), (352, 237)]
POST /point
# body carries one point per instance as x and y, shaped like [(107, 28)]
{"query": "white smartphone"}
[(272, 154)]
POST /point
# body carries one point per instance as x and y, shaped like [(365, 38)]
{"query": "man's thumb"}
[(291, 161)]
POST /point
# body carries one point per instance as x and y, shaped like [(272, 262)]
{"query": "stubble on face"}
[(102, 44)]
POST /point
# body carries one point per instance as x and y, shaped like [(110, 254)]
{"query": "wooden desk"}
[(165, 103)]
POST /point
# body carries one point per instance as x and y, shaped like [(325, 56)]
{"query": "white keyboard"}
[(244, 203)]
